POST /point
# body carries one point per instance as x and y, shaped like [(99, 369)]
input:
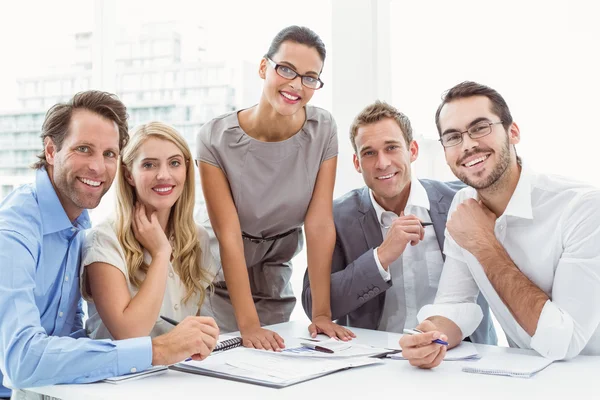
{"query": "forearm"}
[(320, 240), (140, 315), (522, 297), (238, 283), (449, 328), (43, 360)]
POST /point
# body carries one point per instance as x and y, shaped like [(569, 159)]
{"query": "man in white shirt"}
[(529, 242), (382, 283)]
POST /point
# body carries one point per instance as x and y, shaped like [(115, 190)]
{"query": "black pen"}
[(169, 320), (423, 224)]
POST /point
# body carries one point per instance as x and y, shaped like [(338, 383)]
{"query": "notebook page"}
[(508, 364)]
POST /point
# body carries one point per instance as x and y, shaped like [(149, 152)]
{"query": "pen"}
[(317, 348), (174, 323), (169, 320), (423, 224), (417, 332)]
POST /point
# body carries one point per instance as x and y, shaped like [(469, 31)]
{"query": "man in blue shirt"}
[(42, 341)]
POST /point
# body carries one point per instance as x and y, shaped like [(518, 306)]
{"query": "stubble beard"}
[(68, 190), (494, 178)]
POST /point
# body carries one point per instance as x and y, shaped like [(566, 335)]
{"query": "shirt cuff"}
[(134, 355), (467, 316), (553, 334), (385, 275)]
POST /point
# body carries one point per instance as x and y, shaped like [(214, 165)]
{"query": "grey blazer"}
[(357, 288)]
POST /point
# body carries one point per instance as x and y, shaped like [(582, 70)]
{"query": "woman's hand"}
[(324, 324), (260, 338), (150, 234)]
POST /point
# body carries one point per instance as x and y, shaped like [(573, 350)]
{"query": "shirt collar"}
[(54, 217), (416, 198), (519, 204)]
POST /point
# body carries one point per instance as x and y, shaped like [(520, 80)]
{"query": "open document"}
[(333, 348), (267, 368)]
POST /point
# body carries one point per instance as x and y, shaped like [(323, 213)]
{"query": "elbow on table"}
[(21, 377), (558, 350)]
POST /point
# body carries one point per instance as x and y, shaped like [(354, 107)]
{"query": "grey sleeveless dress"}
[(272, 185)]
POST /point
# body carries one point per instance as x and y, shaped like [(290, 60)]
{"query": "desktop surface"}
[(394, 378)]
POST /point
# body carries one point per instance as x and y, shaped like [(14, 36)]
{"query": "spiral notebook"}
[(227, 343), (508, 364)]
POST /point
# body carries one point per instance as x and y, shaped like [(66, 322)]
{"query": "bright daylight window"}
[(182, 64)]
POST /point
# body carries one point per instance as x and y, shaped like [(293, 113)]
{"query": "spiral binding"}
[(229, 344)]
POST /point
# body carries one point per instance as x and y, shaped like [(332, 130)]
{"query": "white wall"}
[(542, 56)]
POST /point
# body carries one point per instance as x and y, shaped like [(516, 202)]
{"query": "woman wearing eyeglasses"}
[(266, 171)]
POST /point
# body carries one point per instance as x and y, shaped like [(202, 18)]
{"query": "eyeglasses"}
[(477, 131), (286, 72)]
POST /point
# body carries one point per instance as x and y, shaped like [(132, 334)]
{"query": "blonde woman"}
[(151, 259)]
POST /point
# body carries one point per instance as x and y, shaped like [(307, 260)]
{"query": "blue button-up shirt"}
[(41, 337)]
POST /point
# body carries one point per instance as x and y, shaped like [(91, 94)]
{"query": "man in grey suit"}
[(379, 283)]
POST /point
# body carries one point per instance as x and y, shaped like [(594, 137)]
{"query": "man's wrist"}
[(383, 259), (157, 354), (487, 246)]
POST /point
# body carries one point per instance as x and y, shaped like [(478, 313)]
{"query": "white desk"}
[(394, 379)]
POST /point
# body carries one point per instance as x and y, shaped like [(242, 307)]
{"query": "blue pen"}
[(418, 332)]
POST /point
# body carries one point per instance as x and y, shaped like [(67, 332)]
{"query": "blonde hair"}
[(186, 246)]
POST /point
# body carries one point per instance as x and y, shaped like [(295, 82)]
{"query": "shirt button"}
[(60, 314), (170, 274), (176, 306), (132, 370), (67, 278)]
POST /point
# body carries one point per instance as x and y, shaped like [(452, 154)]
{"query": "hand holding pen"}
[(424, 346), (194, 336), (415, 331), (401, 231)]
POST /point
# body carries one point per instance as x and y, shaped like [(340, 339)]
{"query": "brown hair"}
[(376, 112), (58, 118), (300, 35), (469, 89)]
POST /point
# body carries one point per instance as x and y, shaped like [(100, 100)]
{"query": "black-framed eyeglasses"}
[(286, 72), (477, 131)]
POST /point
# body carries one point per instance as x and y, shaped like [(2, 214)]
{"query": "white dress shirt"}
[(416, 272), (551, 231)]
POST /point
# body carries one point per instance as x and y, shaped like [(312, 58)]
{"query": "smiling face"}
[(85, 166), (289, 96), (480, 163), (158, 174), (383, 158)]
